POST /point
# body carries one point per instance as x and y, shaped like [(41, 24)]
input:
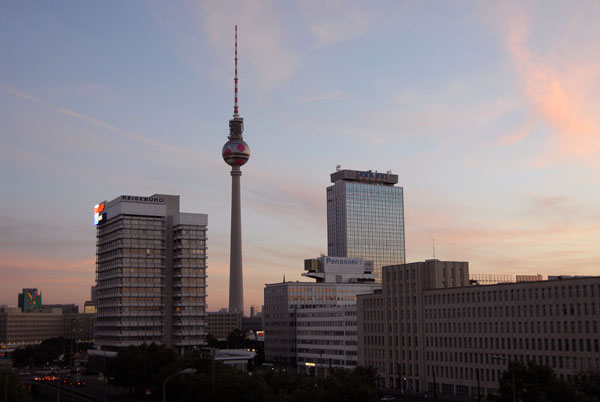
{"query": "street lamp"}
[(184, 371), (512, 372)]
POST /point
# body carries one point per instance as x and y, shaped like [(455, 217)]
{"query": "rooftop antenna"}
[(433, 247), (235, 80)]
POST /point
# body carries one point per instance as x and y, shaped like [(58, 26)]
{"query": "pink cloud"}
[(46, 263), (516, 136), (59, 280), (559, 89)]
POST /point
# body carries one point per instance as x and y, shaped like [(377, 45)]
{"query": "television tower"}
[(236, 153)]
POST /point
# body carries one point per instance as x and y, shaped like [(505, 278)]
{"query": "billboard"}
[(29, 300), (99, 214)]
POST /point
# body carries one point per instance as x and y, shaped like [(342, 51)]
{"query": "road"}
[(94, 391)]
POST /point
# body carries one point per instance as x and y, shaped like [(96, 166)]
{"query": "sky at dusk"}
[(487, 111)]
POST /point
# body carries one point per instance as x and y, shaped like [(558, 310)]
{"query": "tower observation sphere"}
[(236, 152)]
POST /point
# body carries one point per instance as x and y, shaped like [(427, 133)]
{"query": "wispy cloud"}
[(45, 263), (323, 97), (91, 120), (556, 90), (264, 39), (550, 201), (541, 233), (333, 21), (516, 136)]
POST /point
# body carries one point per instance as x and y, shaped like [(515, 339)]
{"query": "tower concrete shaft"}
[(236, 279)]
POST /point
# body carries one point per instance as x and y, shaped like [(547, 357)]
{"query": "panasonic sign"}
[(343, 261)]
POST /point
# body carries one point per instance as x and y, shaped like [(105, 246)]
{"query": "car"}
[(387, 398)]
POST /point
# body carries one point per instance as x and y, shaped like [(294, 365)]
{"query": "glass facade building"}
[(365, 218)]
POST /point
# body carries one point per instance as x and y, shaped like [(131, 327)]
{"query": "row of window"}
[(540, 344), (571, 309), (576, 326), (525, 293)]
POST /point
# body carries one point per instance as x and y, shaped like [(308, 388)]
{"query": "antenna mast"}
[(235, 79)]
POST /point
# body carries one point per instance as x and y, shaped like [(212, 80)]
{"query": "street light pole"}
[(184, 371), (6, 386), (434, 386), (104, 378), (478, 386), (512, 373)]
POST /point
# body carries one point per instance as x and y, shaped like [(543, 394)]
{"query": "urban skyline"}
[(486, 114)]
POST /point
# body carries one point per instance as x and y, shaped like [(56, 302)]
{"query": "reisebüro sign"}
[(141, 199)]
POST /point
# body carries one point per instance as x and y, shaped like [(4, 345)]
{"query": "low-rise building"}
[(220, 323), (79, 327), (21, 329), (429, 330), (313, 324)]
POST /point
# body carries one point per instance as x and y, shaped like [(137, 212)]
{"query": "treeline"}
[(144, 369), (11, 388), (538, 383), (48, 351)]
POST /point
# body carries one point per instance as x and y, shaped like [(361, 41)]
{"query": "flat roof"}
[(365, 176)]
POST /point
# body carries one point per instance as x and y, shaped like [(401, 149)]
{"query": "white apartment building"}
[(312, 325)]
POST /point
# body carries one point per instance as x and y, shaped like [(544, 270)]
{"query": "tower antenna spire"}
[(235, 80)]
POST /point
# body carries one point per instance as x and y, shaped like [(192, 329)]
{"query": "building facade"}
[(79, 326), (313, 324), (365, 217), (457, 339), (150, 273), (220, 323), (21, 329)]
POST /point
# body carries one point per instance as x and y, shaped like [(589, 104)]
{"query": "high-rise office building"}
[(150, 273), (365, 217)]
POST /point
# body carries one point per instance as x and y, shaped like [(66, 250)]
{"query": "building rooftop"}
[(367, 176)]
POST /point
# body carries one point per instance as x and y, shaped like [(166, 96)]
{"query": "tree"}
[(236, 339), (143, 367), (44, 353), (586, 385), (11, 386), (213, 342), (533, 383), (349, 386)]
